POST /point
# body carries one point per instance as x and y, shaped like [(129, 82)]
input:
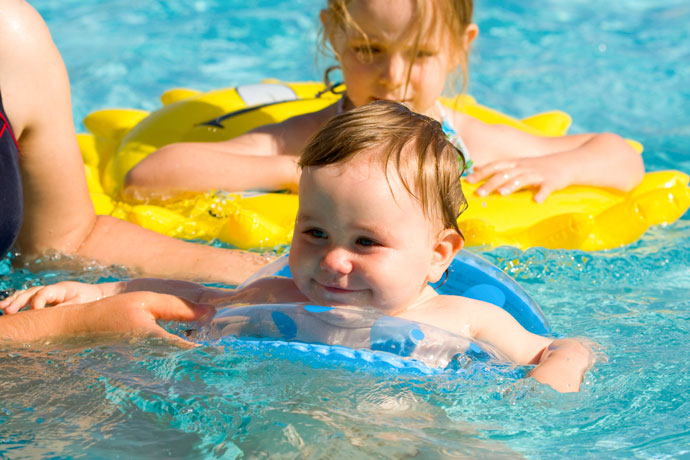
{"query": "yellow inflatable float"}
[(586, 218)]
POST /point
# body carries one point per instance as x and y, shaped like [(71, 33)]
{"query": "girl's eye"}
[(366, 242), (424, 54), (315, 233), (365, 53)]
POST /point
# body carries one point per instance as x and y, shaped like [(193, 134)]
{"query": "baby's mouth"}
[(335, 289)]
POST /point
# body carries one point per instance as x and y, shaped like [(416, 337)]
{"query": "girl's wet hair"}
[(452, 16), (429, 166)]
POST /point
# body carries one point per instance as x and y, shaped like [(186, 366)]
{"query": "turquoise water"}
[(619, 66)]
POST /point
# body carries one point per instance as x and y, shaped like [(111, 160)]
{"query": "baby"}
[(380, 195)]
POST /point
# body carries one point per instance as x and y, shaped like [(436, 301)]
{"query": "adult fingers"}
[(176, 340), (171, 308)]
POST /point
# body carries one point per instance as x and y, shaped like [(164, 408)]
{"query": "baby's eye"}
[(424, 54), (367, 242), (315, 233)]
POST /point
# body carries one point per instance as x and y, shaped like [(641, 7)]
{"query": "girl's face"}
[(362, 240), (379, 68)]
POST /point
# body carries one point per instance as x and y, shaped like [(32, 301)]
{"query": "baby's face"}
[(361, 240)]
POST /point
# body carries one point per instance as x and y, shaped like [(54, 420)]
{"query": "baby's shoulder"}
[(455, 311), (455, 302)]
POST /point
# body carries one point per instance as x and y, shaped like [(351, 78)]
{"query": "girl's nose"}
[(337, 260), (393, 71)]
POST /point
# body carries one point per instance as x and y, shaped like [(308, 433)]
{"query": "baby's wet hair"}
[(453, 16), (428, 164)]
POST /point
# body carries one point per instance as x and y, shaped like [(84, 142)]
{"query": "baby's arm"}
[(264, 290), (510, 160), (559, 363), (563, 364), (72, 292), (262, 159)]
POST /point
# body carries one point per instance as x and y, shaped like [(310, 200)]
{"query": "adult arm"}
[(58, 213), (132, 313)]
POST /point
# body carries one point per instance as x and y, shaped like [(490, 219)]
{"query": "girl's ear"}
[(323, 18), (471, 33), (448, 243)]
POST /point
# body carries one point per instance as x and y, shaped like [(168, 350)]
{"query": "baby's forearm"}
[(188, 290), (563, 365)]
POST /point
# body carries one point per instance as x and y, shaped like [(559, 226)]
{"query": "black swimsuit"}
[(11, 208)]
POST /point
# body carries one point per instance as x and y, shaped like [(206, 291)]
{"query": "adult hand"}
[(134, 313)]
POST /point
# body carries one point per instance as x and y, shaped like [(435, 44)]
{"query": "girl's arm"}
[(58, 213), (262, 159), (510, 159), (254, 161)]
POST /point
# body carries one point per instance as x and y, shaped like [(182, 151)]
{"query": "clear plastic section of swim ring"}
[(352, 335), (364, 336)]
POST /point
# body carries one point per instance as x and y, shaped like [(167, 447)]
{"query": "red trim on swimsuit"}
[(9, 128)]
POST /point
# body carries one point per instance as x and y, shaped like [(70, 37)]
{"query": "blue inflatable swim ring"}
[(366, 336)]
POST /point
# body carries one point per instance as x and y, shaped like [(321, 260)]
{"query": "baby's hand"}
[(505, 177), (63, 293), (563, 364)]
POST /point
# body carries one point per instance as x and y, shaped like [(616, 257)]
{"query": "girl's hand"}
[(63, 293), (508, 176)]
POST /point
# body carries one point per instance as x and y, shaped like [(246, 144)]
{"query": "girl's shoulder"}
[(312, 121), (294, 132)]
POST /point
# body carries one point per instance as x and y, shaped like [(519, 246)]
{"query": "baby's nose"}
[(337, 260)]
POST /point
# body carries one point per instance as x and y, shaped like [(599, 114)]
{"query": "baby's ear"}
[(448, 243)]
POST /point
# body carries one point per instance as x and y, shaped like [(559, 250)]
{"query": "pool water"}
[(614, 66)]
